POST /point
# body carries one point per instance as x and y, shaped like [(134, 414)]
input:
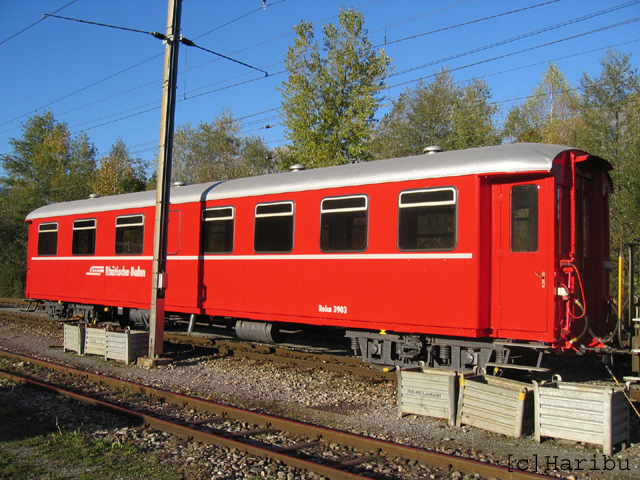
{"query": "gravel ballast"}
[(341, 401)]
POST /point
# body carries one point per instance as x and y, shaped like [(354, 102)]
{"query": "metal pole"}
[(159, 276)]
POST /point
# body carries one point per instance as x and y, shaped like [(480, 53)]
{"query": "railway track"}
[(329, 362), (224, 346), (330, 453)]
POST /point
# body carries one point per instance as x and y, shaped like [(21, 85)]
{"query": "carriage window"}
[(562, 220), (427, 219), (524, 218), (84, 237), (586, 224), (47, 239), (344, 224), (217, 230), (129, 235), (273, 227)]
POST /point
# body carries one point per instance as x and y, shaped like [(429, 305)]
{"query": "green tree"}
[(610, 127), (48, 162), (13, 242), (604, 105), (330, 97), (216, 151), (119, 172), (441, 113), (46, 165), (550, 114)]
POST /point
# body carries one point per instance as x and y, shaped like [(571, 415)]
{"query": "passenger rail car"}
[(455, 259)]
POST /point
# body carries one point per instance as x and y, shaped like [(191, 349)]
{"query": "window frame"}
[(258, 216), (342, 210), (41, 251), (513, 230), (204, 220), (437, 203), (74, 239), (129, 225)]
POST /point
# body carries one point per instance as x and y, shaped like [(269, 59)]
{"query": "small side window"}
[(129, 235), (344, 224), (273, 228), (217, 230), (524, 218), (427, 219), (47, 239), (84, 237)]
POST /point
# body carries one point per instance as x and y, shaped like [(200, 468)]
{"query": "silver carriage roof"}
[(512, 158)]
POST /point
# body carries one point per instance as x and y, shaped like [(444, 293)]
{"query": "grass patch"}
[(34, 443), (73, 455)]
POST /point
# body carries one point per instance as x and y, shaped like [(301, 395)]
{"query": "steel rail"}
[(435, 459), (332, 363), (191, 434)]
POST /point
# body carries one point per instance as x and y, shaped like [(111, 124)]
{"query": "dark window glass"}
[(84, 237), (47, 239), (217, 230), (524, 218), (427, 220), (586, 223), (129, 235), (343, 224), (274, 228), (562, 220)]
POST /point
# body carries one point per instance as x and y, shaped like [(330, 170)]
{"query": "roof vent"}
[(178, 184), (94, 195), (298, 167), (433, 149)]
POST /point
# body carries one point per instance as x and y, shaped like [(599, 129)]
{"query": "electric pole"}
[(159, 276)]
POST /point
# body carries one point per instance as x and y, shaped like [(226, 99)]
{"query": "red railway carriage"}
[(454, 259)]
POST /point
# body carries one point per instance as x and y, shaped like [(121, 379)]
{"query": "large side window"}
[(129, 234), (217, 230), (84, 237), (344, 224), (427, 219), (47, 239), (274, 228), (524, 218)]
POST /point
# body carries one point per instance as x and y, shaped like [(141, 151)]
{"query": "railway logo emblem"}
[(115, 271), (96, 271)]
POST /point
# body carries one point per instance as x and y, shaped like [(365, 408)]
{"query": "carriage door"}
[(520, 275)]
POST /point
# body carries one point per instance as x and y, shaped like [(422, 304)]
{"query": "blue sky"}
[(108, 82)]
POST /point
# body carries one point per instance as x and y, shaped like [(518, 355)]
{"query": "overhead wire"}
[(191, 96), (117, 73), (497, 102), (249, 81), (585, 17), (453, 69), (34, 23), (199, 36), (465, 24), (530, 34)]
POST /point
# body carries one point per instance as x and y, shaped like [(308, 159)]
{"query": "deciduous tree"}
[(610, 126), (46, 165), (331, 94), (550, 114), (119, 172), (438, 112), (49, 163), (217, 151)]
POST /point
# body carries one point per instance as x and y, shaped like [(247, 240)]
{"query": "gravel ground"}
[(339, 401)]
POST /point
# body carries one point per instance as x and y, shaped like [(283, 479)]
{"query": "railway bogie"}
[(455, 259)]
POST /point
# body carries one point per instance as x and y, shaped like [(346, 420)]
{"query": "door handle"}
[(542, 277)]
